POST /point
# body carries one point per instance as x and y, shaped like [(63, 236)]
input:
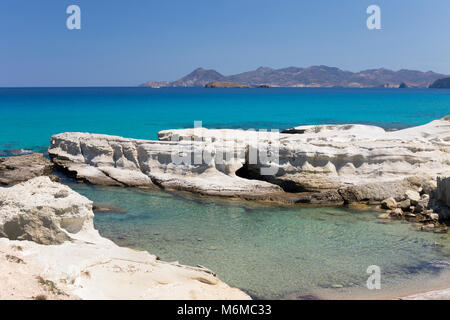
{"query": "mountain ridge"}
[(313, 76)]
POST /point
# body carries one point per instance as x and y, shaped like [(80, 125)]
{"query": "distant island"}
[(315, 76), (219, 84), (225, 84), (441, 84)]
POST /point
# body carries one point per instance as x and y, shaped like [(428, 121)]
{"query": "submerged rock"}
[(396, 212), (384, 216), (428, 227), (100, 207), (18, 169)]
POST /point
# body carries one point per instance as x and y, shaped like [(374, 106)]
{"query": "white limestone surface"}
[(326, 158), (48, 239)]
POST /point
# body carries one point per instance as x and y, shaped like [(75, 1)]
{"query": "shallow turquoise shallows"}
[(271, 251), (268, 251), (30, 116)]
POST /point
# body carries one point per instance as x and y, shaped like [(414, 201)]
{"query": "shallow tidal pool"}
[(276, 252)]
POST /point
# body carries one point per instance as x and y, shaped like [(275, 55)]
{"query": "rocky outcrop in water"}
[(47, 238), (117, 161), (18, 169), (416, 206), (315, 164)]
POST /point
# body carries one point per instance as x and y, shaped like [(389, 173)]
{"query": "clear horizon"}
[(122, 44)]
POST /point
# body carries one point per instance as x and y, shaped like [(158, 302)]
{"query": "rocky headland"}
[(441, 84), (49, 249)]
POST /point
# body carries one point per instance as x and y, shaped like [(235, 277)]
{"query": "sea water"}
[(30, 116)]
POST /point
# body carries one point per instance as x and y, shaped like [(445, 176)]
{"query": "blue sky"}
[(128, 42)]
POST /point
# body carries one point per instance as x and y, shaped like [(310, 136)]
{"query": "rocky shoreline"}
[(49, 249), (405, 173), (327, 164)]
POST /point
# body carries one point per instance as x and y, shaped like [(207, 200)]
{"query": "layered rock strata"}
[(311, 164), (117, 161)]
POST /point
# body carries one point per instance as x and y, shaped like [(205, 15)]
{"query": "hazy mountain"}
[(198, 78), (315, 76)]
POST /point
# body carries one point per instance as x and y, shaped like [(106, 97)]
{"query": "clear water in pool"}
[(269, 251)]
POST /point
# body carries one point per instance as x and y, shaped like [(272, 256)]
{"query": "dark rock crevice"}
[(252, 172)]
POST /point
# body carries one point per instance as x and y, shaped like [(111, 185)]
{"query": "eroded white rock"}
[(80, 262), (109, 160), (350, 162), (45, 212)]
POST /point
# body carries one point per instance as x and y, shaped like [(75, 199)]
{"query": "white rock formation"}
[(343, 162), (110, 160), (77, 260), (45, 212)]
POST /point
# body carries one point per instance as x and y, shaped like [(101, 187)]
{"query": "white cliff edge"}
[(50, 249)]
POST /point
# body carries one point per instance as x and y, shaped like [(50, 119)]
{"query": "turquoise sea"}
[(30, 116), (269, 251)]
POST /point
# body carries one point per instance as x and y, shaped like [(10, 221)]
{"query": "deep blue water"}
[(29, 116)]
